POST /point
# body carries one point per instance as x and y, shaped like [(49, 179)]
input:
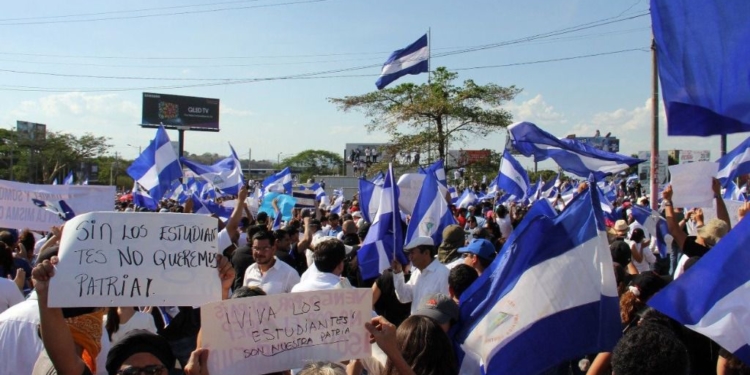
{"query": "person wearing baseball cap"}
[(428, 275), (479, 254), (441, 308)]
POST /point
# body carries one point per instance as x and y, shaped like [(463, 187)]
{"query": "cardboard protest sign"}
[(265, 334), (137, 259), (692, 184), (732, 209), (17, 210)]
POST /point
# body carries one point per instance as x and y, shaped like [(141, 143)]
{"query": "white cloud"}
[(535, 110)]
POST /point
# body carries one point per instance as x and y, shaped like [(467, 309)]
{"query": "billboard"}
[(609, 144), (690, 156), (644, 169), (465, 158), (31, 131), (180, 112)]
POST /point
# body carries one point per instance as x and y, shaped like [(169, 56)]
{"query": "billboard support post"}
[(181, 140)]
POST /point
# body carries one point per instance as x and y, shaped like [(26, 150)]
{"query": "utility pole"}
[(654, 128)]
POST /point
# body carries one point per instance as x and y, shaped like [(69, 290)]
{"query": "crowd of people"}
[(416, 303)]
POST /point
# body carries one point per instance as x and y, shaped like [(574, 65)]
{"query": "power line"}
[(160, 14), (305, 76)]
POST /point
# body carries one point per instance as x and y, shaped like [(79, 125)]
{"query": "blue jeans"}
[(674, 258)]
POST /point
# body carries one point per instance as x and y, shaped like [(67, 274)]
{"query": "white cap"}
[(356, 214), (419, 241)]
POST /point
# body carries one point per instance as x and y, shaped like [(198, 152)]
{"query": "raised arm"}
[(234, 220), (721, 208), (674, 229)]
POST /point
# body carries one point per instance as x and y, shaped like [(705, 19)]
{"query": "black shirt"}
[(692, 248), (241, 259), (388, 304)]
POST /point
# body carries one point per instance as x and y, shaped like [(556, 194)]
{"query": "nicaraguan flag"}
[(279, 183), (702, 49), (572, 156), (54, 182), (225, 175), (534, 191), (732, 192), (85, 182), (549, 188), (69, 178), (385, 237), (320, 193), (454, 194), (157, 166), (653, 224), (369, 199), (431, 213), (141, 198), (59, 208), (337, 204), (413, 59), (468, 198), (378, 179), (199, 206), (712, 297), (276, 222), (438, 170), (735, 163), (512, 177), (559, 284)]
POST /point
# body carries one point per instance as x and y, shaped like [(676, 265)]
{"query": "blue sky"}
[(272, 38)]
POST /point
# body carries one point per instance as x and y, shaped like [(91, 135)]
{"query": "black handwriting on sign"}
[(113, 286), (91, 256), (89, 230), (190, 234), (131, 257), (185, 259), (134, 232)]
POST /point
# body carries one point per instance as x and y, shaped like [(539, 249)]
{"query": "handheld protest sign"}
[(136, 259), (265, 334), (692, 184)]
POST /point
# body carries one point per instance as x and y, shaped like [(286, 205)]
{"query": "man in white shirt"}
[(268, 273), (328, 257), (19, 337), (429, 276)]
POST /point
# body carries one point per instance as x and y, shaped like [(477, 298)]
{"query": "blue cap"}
[(480, 247)]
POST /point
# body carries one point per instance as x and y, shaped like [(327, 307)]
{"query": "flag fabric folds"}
[(431, 213), (141, 198), (438, 170), (157, 166), (54, 182), (711, 297), (653, 224), (702, 50), (279, 183), (69, 178), (560, 284), (572, 156), (413, 59), (378, 179), (226, 174), (468, 198), (59, 208), (512, 178), (385, 237), (369, 199), (285, 203), (735, 163)]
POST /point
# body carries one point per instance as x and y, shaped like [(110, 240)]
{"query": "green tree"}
[(314, 162), (431, 116)]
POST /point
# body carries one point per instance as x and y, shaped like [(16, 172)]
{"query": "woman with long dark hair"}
[(120, 320)]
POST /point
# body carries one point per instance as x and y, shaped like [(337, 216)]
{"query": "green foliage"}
[(431, 116), (314, 162)]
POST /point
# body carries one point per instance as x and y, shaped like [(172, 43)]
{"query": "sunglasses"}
[(146, 370)]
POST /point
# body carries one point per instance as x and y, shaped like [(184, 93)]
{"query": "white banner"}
[(137, 259), (732, 209), (265, 334), (17, 211), (690, 156), (692, 184)]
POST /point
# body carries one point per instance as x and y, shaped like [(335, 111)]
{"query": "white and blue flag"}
[(157, 166), (85, 182), (468, 198), (385, 239), (413, 59), (59, 208), (276, 222), (369, 199), (453, 193), (279, 183), (431, 214), (337, 204), (225, 175), (378, 179), (438, 170), (711, 297), (733, 192), (54, 182), (735, 163), (572, 156), (549, 189), (141, 198), (653, 224), (560, 284), (69, 178), (512, 178)]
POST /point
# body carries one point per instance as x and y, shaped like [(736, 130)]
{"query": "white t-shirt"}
[(277, 280), (648, 257), (505, 226), (19, 337), (9, 294), (139, 320)]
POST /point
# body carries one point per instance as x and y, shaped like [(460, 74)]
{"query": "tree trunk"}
[(441, 138)]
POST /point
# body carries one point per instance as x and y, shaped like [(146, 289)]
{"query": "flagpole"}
[(654, 127), (429, 85), (396, 214)]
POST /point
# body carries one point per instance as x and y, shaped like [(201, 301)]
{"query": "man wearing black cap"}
[(140, 352)]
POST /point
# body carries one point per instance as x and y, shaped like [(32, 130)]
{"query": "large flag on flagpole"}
[(559, 284), (69, 178), (279, 183), (512, 178), (414, 59), (572, 156), (385, 237), (226, 174), (702, 49), (712, 297), (157, 166)]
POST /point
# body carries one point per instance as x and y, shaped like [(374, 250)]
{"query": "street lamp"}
[(278, 158), (139, 148)]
